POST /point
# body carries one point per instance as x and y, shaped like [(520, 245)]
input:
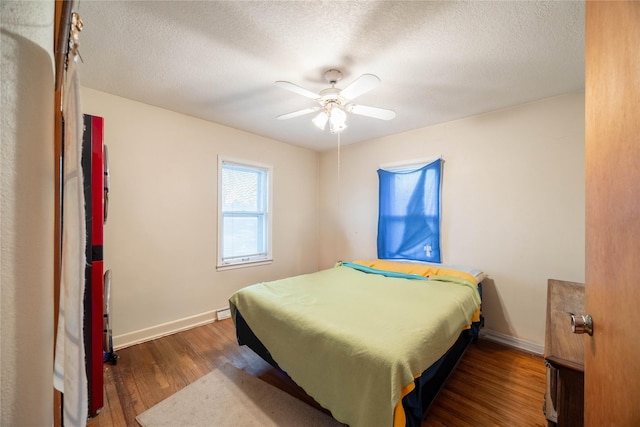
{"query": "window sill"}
[(243, 265)]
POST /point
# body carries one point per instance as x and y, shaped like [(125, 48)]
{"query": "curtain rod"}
[(411, 162)]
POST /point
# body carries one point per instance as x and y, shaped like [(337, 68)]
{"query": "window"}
[(409, 212), (244, 220)]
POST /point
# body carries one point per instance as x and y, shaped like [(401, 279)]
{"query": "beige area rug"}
[(230, 397)]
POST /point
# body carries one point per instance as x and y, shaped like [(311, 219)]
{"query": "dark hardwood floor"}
[(493, 385)]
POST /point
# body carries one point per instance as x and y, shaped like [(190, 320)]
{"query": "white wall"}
[(160, 237), (26, 214), (512, 202)]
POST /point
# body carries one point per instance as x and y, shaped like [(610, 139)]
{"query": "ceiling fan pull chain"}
[(339, 213)]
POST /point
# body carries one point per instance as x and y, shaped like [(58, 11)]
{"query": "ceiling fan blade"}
[(297, 113), (375, 112), (297, 89), (361, 85)]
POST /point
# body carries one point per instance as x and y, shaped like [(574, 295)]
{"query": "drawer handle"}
[(581, 324)]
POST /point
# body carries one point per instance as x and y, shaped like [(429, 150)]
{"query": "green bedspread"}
[(352, 339)]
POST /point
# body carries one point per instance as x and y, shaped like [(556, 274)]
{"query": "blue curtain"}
[(409, 213)]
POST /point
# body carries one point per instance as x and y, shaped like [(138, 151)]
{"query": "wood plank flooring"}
[(493, 385)]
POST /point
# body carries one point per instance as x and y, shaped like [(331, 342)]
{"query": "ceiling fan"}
[(335, 102)]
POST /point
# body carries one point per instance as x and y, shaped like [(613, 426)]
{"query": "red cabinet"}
[(94, 184)]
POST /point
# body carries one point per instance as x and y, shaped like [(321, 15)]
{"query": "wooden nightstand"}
[(564, 355)]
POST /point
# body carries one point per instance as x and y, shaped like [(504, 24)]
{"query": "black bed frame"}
[(417, 403)]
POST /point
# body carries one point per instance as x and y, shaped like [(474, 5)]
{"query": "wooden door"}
[(612, 291)]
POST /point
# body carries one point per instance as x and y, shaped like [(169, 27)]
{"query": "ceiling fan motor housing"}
[(329, 95)]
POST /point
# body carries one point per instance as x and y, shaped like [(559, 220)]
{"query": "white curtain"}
[(69, 371)]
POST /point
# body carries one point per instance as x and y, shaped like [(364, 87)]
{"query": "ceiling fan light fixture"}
[(339, 128), (337, 120), (321, 120)]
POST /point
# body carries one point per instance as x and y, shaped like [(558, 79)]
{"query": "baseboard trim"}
[(510, 341), (164, 329)]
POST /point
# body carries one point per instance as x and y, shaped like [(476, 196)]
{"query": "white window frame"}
[(255, 260)]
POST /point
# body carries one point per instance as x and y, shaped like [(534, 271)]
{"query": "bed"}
[(372, 341)]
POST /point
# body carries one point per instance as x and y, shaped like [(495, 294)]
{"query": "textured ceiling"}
[(438, 61)]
